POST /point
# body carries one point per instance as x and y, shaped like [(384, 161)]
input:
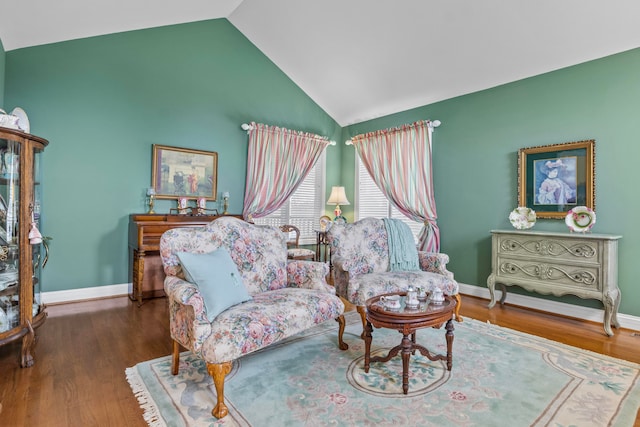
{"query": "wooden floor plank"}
[(84, 348)]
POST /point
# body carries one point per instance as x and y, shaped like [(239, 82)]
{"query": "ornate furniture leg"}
[(341, 324), (218, 371), (27, 345), (367, 346), (449, 337), (363, 315), (491, 284), (175, 358), (457, 309), (407, 349), (611, 302)]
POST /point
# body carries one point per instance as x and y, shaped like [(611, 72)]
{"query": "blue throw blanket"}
[(403, 254)]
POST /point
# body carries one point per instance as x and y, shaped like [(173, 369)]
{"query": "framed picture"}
[(181, 172), (553, 179)]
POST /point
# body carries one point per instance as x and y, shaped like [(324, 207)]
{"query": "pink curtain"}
[(278, 160), (399, 161)]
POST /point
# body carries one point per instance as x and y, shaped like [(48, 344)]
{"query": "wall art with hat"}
[(553, 179)]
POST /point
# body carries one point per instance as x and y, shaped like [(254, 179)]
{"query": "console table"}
[(146, 275), (585, 265)]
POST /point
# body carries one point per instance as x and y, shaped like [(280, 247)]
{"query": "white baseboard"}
[(72, 295), (579, 312), (571, 310)]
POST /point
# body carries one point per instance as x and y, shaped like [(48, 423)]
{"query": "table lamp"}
[(338, 197)]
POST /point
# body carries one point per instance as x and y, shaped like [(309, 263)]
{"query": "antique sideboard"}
[(146, 275), (585, 265)]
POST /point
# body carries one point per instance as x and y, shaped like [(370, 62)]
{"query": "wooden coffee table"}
[(407, 321)]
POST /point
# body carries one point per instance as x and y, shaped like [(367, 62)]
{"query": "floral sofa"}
[(285, 296), (360, 259)]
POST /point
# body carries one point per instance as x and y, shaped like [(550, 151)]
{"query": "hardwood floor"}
[(84, 348)]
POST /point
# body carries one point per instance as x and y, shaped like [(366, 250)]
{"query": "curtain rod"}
[(248, 128), (432, 125)]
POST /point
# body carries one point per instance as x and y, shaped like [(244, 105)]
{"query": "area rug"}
[(499, 377)]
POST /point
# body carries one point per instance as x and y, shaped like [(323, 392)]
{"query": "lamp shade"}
[(338, 197)]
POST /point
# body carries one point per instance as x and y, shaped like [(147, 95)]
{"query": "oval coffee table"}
[(407, 321)]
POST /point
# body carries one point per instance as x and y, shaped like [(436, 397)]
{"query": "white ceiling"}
[(363, 59)]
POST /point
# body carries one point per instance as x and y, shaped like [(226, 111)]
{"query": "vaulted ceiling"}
[(362, 59)]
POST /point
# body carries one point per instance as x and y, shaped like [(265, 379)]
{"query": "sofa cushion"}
[(217, 277), (268, 318)]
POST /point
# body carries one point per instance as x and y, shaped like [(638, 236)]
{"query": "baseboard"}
[(83, 294), (571, 310)]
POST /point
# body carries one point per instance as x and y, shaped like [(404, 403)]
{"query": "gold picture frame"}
[(553, 179), (182, 172)]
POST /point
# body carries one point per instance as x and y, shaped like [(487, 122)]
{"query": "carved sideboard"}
[(585, 265)]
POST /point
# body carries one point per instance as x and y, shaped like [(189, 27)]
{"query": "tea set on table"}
[(413, 299)]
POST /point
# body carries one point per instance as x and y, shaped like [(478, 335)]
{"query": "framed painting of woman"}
[(553, 179)]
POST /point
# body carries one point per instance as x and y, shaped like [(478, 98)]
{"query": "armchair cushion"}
[(217, 277)]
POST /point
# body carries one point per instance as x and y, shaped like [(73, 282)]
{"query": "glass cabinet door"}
[(39, 250), (9, 250)]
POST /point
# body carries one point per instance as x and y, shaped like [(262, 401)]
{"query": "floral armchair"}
[(285, 296), (360, 258)]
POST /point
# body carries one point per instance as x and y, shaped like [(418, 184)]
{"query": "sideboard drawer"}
[(562, 278), (550, 247)]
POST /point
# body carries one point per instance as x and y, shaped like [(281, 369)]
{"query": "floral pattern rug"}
[(499, 377)]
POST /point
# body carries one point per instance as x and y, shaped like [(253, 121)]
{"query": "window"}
[(371, 202), (305, 206)]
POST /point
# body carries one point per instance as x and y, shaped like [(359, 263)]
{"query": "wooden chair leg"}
[(218, 372), (363, 316), (457, 310), (341, 323), (175, 358)]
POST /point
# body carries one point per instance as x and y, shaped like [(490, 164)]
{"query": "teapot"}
[(412, 297)]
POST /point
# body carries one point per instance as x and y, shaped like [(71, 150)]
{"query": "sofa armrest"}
[(308, 275), (434, 262), (189, 323)]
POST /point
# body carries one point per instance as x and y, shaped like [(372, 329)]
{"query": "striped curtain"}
[(399, 161), (278, 160)]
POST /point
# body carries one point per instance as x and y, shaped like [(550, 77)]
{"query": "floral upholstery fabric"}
[(288, 296), (360, 256)]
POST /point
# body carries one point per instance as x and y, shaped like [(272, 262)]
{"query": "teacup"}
[(437, 297), (392, 302)]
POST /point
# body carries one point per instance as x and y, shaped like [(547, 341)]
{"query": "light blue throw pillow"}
[(218, 278)]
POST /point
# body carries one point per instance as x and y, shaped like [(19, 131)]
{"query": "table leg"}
[(407, 348), (367, 346), (449, 336)]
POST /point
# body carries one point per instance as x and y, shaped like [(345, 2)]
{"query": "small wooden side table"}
[(407, 322)]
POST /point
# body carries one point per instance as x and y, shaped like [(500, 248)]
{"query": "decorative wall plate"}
[(23, 120), (580, 219), (522, 218)]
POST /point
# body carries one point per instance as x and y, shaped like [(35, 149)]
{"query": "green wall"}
[(475, 158), (103, 101), (2, 66)]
